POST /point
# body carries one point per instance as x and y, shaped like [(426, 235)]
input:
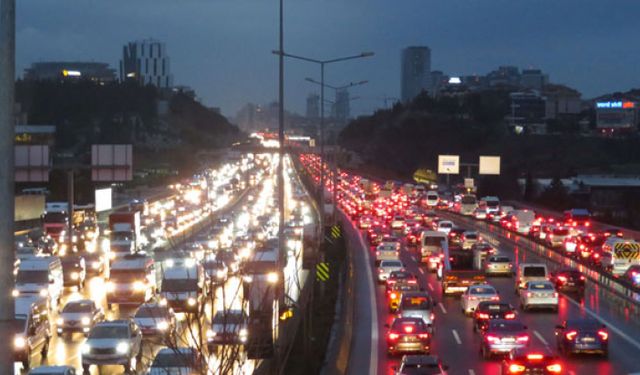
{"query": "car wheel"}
[(25, 362), (85, 369), (45, 348)]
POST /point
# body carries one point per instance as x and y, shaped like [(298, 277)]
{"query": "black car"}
[(532, 361), (420, 364), (74, 270), (584, 335), (488, 310), (568, 280)]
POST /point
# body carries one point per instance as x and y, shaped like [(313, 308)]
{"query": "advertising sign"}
[(103, 199), (490, 165), (448, 164)]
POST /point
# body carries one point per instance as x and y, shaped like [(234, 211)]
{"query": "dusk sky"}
[(222, 48)]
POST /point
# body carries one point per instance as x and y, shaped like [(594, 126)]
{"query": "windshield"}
[(416, 302), (433, 241), (109, 331), (55, 217), (32, 277), (535, 272), (179, 285), (125, 276), (151, 312), (468, 199), (78, 307)]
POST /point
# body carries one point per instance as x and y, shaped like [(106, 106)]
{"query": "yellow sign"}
[(627, 250), (425, 176), (322, 271), (336, 232)]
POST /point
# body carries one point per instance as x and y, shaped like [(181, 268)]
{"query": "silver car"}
[(539, 294), (417, 305), (386, 267), (79, 316), (498, 265)]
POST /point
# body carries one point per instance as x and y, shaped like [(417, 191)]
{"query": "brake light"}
[(408, 329), (555, 294), (510, 316), (603, 334), (483, 316), (412, 281), (423, 335), (493, 338), (529, 294), (582, 277), (495, 298), (380, 270), (394, 296), (521, 339), (515, 368), (555, 368), (571, 335), (562, 278), (393, 336), (432, 316), (534, 357)]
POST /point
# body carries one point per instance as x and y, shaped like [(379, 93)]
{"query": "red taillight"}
[(423, 335), (432, 316), (510, 316), (582, 277), (483, 316), (555, 295), (490, 338), (522, 339), (562, 278), (393, 336), (534, 356), (408, 329), (571, 335), (412, 281), (529, 294), (604, 335), (495, 298), (555, 368)]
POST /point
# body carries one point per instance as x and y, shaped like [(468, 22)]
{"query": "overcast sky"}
[(222, 48)]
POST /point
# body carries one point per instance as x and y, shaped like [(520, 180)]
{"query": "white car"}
[(386, 252), (469, 238), (388, 266), (480, 213), (391, 241), (116, 342), (475, 294), (397, 223), (539, 294), (444, 226)]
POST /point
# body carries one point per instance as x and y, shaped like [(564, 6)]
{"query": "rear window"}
[(446, 224), (493, 203), (505, 326), (416, 302), (390, 263), (471, 236), (534, 272), (486, 290), (561, 232), (499, 259), (540, 286)]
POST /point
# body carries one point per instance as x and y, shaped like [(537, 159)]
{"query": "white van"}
[(181, 287), (530, 272), (432, 198), (523, 220), (491, 204), (620, 254), (431, 245), (40, 275)]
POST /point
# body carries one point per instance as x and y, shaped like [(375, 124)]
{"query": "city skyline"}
[(226, 76)]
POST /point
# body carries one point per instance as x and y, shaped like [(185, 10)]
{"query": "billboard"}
[(448, 164), (489, 165), (28, 207), (103, 199), (32, 163), (111, 163)]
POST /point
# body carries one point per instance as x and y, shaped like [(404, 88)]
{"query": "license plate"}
[(508, 339), (588, 339)]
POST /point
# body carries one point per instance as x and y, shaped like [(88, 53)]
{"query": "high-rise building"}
[(533, 79), (313, 105), (146, 62), (416, 71), (342, 107), (70, 71)]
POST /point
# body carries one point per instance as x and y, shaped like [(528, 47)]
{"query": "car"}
[(155, 320), (31, 335), (53, 370), (407, 335), (444, 226), (557, 235), (490, 310), (400, 277), (376, 234), (115, 342), (469, 238), (79, 316), (397, 222), (414, 364), (386, 267), (525, 361), (417, 305), (228, 327), (502, 336), (539, 294), (480, 213), (386, 252), (498, 265), (391, 241), (215, 270), (395, 293), (413, 237), (365, 222), (476, 294), (632, 275), (582, 335), (176, 361), (530, 272), (568, 280), (455, 236)]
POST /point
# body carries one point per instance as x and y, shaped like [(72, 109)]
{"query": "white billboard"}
[(32, 163), (448, 164), (489, 165), (103, 199), (111, 163)]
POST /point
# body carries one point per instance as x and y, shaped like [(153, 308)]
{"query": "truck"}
[(124, 236), (55, 220), (457, 272), (261, 278)]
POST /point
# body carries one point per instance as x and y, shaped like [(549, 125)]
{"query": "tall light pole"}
[(279, 293), (7, 89), (322, 63)]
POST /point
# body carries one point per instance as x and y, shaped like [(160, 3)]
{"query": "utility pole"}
[(7, 177), (280, 180)]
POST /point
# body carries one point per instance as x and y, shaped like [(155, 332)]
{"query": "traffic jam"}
[(467, 285), (182, 284)]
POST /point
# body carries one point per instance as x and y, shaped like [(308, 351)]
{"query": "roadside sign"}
[(336, 232), (32, 163), (111, 163), (627, 250), (425, 176), (448, 164), (489, 165), (322, 271)]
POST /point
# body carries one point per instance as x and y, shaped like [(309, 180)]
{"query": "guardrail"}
[(629, 298)]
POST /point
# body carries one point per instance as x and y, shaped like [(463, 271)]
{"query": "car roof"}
[(420, 359)]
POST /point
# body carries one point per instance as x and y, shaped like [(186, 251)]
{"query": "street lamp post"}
[(322, 64)]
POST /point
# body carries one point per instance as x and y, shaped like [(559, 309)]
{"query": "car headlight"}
[(111, 287), (112, 256), (247, 279), (191, 301), (139, 286), (163, 302), (243, 332), (15, 293), (85, 321), (162, 325), (220, 274), (122, 348), (19, 342), (75, 275), (272, 277), (44, 292), (60, 321), (95, 265), (85, 348), (211, 333)]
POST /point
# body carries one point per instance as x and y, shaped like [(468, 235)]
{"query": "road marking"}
[(539, 336), (373, 359), (430, 287), (472, 371), (444, 311), (421, 270), (414, 259), (610, 326), (455, 336)]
